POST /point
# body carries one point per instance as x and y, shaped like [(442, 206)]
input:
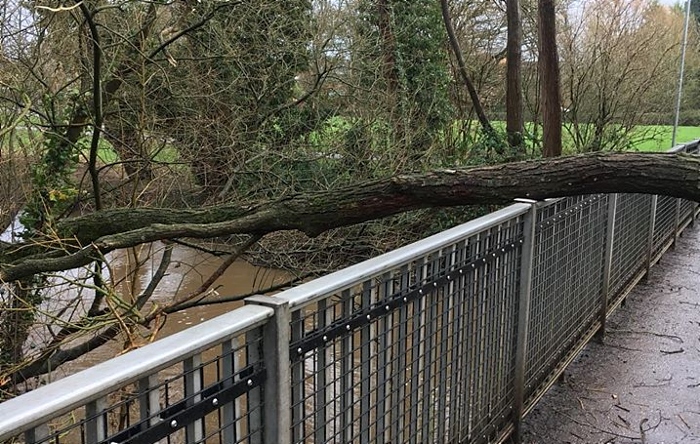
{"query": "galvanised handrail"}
[(36, 407), (347, 277)]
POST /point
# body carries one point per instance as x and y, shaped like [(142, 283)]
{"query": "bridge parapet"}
[(451, 339)]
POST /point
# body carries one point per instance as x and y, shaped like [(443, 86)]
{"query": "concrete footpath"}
[(643, 384)]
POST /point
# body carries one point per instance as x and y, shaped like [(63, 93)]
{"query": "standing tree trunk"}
[(514, 94), (388, 47), (548, 65)]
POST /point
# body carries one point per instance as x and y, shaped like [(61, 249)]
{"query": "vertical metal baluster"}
[(253, 418), (498, 324), (427, 355), (417, 333), (192, 368), (458, 351), (383, 360), (321, 360), (650, 237), (478, 393), (525, 290), (228, 410), (367, 339), (442, 375), (346, 372), (149, 399), (37, 434), (490, 361), (473, 285), (607, 264), (298, 385), (96, 420), (398, 395), (276, 338), (677, 223)]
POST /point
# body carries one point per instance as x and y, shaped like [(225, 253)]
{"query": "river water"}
[(130, 272)]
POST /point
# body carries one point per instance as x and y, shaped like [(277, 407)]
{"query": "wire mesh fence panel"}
[(631, 242), (211, 395), (179, 413), (421, 352), (688, 208), (686, 211), (664, 224), (566, 281), (693, 147), (415, 346)]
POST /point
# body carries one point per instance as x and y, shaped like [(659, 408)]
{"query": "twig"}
[(208, 282), (672, 352), (645, 420), (642, 431), (624, 420), (599, 429), (674, 338), (663, 382)]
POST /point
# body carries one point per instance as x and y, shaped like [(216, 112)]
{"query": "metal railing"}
[(451, 339)]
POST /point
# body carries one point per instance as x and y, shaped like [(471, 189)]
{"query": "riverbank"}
[(643, 384)]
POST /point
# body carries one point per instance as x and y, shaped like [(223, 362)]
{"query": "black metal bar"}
[(318, 337), (180, 414)]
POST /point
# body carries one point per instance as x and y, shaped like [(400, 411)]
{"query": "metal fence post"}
[(650, 240), (526, 265), (607, 264), (149, 399), (36, 434), (96, 420), (277, 422), (194, 383)]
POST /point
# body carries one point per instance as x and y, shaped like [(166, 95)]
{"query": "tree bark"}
[(388, 47), (83, 239), (514, 95), (548, 64)]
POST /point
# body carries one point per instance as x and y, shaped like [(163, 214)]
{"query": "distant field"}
[(647, 138), (659, 137)]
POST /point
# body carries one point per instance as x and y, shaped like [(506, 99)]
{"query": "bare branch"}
[(675, 175)]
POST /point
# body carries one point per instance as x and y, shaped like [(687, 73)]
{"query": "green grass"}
[(646, 138), (659, 136)]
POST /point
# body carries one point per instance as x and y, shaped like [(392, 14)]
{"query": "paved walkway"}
[(643, 384)]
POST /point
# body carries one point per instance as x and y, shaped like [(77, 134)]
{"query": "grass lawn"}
[(658, 137)]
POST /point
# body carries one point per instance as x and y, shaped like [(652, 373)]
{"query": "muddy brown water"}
[(188, 270)]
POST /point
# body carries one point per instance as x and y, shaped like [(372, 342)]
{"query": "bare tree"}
[(618, 59)]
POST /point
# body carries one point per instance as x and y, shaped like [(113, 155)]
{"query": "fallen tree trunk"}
[(83, 239)]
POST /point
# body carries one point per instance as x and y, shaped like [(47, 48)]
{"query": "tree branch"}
[(96, 102), (86, 238)]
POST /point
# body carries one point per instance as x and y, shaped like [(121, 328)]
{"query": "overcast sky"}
[(671, 2)]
